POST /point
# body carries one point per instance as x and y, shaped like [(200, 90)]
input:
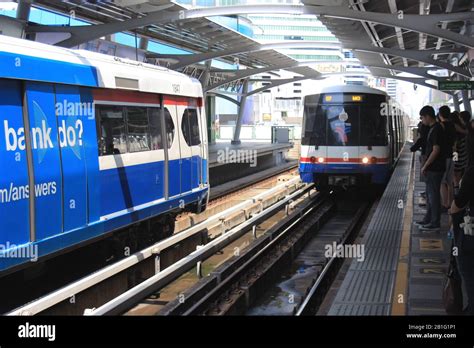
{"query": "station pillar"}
[(238, 123), (206, 75), (466, 102), (456, 102), (210, 104), (23, 10), (211, 119), (143, 43)]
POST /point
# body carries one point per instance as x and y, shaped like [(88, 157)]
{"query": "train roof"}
[(351, 89), (30, 60)]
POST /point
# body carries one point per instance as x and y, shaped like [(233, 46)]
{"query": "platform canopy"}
[(431, 40), (198, 35), (422, 47)]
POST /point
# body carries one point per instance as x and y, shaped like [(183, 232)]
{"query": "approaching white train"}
[(351, 136), (92, 144)]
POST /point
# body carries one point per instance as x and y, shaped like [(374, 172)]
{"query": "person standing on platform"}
[(449, 139), (462, 211), (420, 144), (433, 169)]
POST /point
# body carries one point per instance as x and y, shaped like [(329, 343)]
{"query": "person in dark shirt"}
[(433, 170), (462, 204), (420, 144), (449, 139)]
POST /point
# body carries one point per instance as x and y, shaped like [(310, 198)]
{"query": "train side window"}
[(112, 134), (156, 141), (169, 128), (190, 127), (138, 132)]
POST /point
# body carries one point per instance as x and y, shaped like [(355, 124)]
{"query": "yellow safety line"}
[(400, 294)]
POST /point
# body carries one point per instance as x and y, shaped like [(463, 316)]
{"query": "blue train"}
[(91, 144), (351, 136)]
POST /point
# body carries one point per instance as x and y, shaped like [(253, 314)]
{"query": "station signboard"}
[(455, 85)]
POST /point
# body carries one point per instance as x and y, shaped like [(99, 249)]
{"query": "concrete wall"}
[(11, 27)]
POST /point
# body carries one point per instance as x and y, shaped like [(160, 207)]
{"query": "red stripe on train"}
[(340, 160), (184, 101), (117, 95)]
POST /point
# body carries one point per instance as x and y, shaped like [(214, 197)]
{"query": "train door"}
[(192, 131), (14, 203), (204, 144), (391, 137), (173, 143), (46, 188), (396, 132), (159, 171), (91, 151), (71, 116), (185, 115)]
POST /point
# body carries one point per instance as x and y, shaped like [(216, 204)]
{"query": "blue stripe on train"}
[(129, 186), (379, 172), (23, 67)]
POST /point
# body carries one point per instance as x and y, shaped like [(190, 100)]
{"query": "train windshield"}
[(344, 124)]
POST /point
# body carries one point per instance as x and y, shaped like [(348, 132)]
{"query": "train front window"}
[(373, 126), (342, 124), (332, 125), (329, 121)]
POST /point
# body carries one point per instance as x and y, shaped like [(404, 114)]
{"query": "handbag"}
[(452, 289)]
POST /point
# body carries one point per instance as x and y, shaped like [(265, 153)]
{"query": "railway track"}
[(214, 280), (287, 274), (177, 297), (349, 221), (104, 284)]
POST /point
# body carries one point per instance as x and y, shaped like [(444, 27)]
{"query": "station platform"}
[(404, 268), (229, 162)]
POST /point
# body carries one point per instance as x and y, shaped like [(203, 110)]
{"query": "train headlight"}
[(320, 159), (373, 160), (313, 159), (365, 160)]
